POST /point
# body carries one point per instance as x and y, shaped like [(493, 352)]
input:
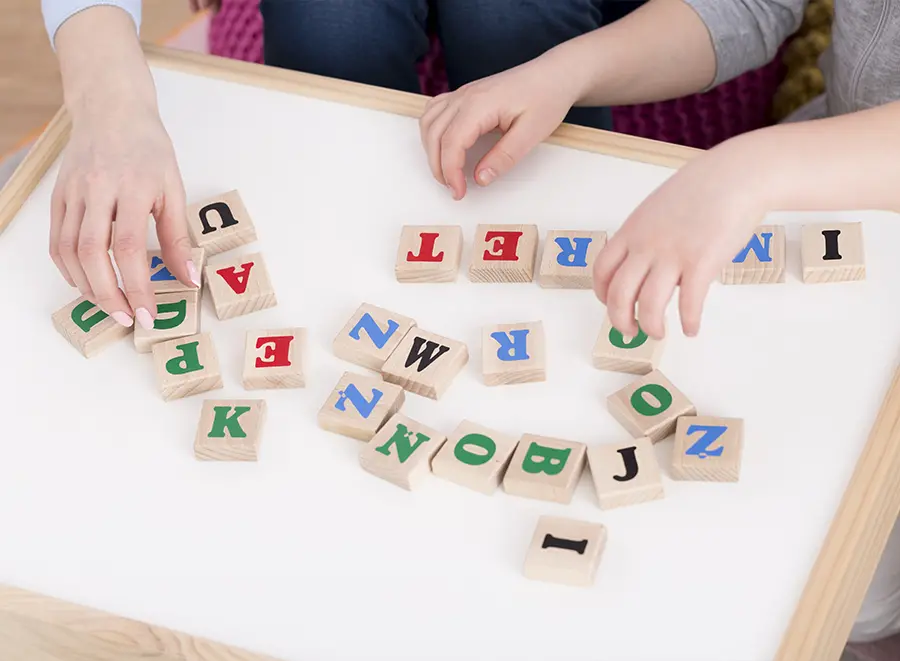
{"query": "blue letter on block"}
[(163, 273), (573, 252), (379, 337), (760, 248), (360, 403), (701, 447), (512, 345)]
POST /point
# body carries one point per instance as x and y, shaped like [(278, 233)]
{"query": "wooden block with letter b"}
[(274, 359), (177, 315), (649, 406), (625, 473), (88, 328), (504, 253), (370, 336), (545, 468), (186, 366), (220, 223), (240, 286), (429, 253), (761, 261), (514, 353), (632, 355), (401, 452), (565, 551), (708, 449), (359, 405), (230, 430), (568, 259), (832, 252), (425, 363), (162, 280), (474, 457)]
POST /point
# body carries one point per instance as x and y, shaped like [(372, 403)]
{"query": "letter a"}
[(402, 438), (368, 324), (711, 435), (277, 350), (423, 352), (188, 361), (573, 252), (179, 314), (236, 280), (224, 211), (352, 394), (512, 345), (761, 248), (631, 465), (80, 310), (224, 421)]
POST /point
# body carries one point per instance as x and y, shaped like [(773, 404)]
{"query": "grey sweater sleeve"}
[(57, 12), (746, 34)]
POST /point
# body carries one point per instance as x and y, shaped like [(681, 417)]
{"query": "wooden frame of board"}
[(42, 628)]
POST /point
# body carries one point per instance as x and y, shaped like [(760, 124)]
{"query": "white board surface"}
[(305, 556)]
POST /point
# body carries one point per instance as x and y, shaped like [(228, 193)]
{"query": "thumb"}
[(171, 229), (521, 137)]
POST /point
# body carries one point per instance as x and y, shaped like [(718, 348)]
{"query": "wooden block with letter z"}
[(504, 253), (632, 355), (274, 359), (425, 363), (565, 551), (832, 252), (240, 286), (177, 315), (230, 430), (649, 406), (429, 253), (186, 366), (568, 259), (162, 280), (88, 328), (401, 452), (708, 449), (474, 457), (370, 336), (514, 353), (359, 405), (545, 469), (625, 473), (761, 261), (220, 223)]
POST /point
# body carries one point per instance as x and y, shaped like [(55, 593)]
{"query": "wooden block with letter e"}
[(565, 551), (429, 253), (401, 452), (625, 473), (545, 468), (504, 253), (649, 406), (88, 328), (274, 359), (177, 315), (474, 457), (162, 280), (708, 449), (186, 366), (568, 259), (359, 405), (240, 286), (614, 352), (761, 261), (832, 252), (220, 223), (230, 430), (425, 363), (370, 336), (514, 353)]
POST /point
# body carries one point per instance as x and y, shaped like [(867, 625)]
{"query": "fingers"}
[(432, 127), (608, 260), (68, 243), (57, 213), (93, 254), (520, 139), (130, 252), (171, 229), (465, 129), (623, 292), (654, 297), (194, 5), (694, 288)]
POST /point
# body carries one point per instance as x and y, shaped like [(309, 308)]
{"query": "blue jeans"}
[(379, 42)]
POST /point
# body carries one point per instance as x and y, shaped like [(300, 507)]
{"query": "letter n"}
[(368, 324), (352, 394)]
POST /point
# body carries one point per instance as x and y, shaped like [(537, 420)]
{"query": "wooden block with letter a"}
[(625, 473), (425, 363), (274, 359), (162, 280), (359, 406), (230, 429), (761, 261), (832, 252), (88, 328), (565, 551), (614, 352), (568, 259), (177, 315), (545, 468), (401, 452), (514, 353), (429, 253), (474, 457), (504, 253), (649, 406), (186, 366), (370, 336), (708, 449), (220, 223), (240, 286)]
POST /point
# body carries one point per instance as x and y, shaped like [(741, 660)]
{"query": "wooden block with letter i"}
[(565, 551), (545, 469), (220, 223), (474, 457), (625, 473), (359, 406), (274, 359), (88, 328), (649, 406), (504, 253), (401, 452), (514, 353), (429, 253), (370, 336), (632, 355), (240, 286), (177, 315), (761, 261), (186, 366), (425, 363), (230, 430), (708, 449), (568, 259), (162, 280), (832, 252)]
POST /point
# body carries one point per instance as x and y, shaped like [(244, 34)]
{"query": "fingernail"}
[(192, 272), (123, 319), (144, 318), (486, 176)]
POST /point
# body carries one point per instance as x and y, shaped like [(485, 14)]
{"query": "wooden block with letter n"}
[(708, 449), (514, 353), (504, 253), (568, 259), (359, 406), (425, 363), (565, 551), (832, 252), (429, 253), (220, 223), (401, 452), (186, 366), (88, 328), (632, 355), (545, 468), (625, 473), (240, 286), (649, 406), (474, 457), (370, 336), (274, 359), (230, 429), (761, 261), (162, 280), (177, 315)]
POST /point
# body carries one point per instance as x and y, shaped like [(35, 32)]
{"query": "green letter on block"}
[(402, 439), (540, 459), (223, 421), (475, 458), (618, 340), (189, 361), (179, 310), (642, 406), (82, 309)]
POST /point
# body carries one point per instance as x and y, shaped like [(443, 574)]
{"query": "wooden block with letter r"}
[(565, 551), (240, 285), (708, 449), (474, 457), (88, 328), (370, 336), (425, 363), (274, 359), (568, 259), (359, 405), (401, 451), (177, 315), (230, 430), (186, 366), (649, 406), (832, 252), (761, 261), (220, 223), (614, 352), (625, 473), (514, 353), (504, 253), (429, 253), (545, 468)]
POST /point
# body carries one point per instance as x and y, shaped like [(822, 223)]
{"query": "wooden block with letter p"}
[(162, 280), (220, 223), (425, 363), (177, 315), (568, 259), (632, 355), (370, 336), (649, 406), (625, 473), (359, 405), (504, 253), (401, 452), (474, 457), (429, 253), (240, 286), (88, 328), (545, 468), (514, 353), (274, 359), (565, 551), (186, 366), (708, 449), (761, 261), (832, 252), (230, 430)]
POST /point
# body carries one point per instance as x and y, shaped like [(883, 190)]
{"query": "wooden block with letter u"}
[(220, 223), (240, 286), (88, 328)]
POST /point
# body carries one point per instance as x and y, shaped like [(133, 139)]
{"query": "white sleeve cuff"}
[(57, 12)]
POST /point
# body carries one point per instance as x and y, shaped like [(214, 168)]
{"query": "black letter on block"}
[(554, 542), (224, 211), (831, 244)]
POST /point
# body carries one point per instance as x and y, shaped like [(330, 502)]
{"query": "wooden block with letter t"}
[(401, 452), (429, 253), (545, 468), (568, 259), (565, 551), (514, 353), (474, 457), (761, 261), (504, 253), (614, 352), (230, 430), (649, 406), (359, 405), (625, 473), (220, 223), (186, 366), (88, 328), (832, 252), (425, 363), (370, 336), (162, 280), (274, 359), (708, 449), (177, 315), (240, 286)]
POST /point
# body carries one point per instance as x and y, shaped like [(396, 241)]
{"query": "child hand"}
[(200, 5)]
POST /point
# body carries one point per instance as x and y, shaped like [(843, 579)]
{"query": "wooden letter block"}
[(240, 286), (614, 352), (230, 429), (708, 449), (568, 259), (504, 253), (88, 328), (401, 452), (474, 457), (371, 336), (186, 366), (545, 469), (649, 406), (514, 353), (177, 315), (565, 551), (220, 223), (761, 261), (274, 359), (163, 281), (359, 405), (625, 473), (425, 363), (832, 252), (429, 253)]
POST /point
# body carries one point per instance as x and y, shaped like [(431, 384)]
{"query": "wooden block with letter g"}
[(401, 452), (832, 252), (649, 406), (186, 366), (230, 430), (274, 359), (625, 473), (708, 449), (359, 405), (504, 253), (220, 223), (370, 336), (240, 285), (565, 551), (429, 253), (545, 468), (88, 328)]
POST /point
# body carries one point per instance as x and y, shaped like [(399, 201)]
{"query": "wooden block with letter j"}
[(425, 363), (761, 261), (649, 406), (230, 430), (565, 551), (274, 359), (88, 328), (832, 252), (177, 315), (401, 452), (708, 449), (359, 405), (514, 353), (545, 468), (220, 223), (240, 285), (625, 473), (186, 366), (504, 253), (429, 253), (568, 259), (632, 355), (370, 336)]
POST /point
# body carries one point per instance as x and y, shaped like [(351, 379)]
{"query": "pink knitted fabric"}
[(236, 31)]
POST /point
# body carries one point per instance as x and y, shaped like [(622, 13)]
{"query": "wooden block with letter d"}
[(625, 473), (240, 286), (162, 280), (568, 259), (220, 223), (649, 406), (370, 336), (177, 315), (359, 405), (708, 449), (565, 551), (474, 457), (504, 253), (186, 366), (88, 328), (832, 252), (274, 359), (761, 261), (429, 253), (632, 355), (545, 468), (230, 430), (514, 353), (425, 363), (401, 452)]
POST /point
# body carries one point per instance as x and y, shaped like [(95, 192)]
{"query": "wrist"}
[(570, 67)]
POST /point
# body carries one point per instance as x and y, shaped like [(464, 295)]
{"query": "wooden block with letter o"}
[(177, 315), (274, 359), (220, 223), (370, 336), (568, 259), (425, 363), (625, 473), (614, 352), (649, 406), (88, 328), (429, 253), (565, 551), (514, 353), (240, 285), (401, 451), (832, 252), (186, 366), (761, 261), (359, 405), (230, 430), (545, 468), (504, 253), (708, 449), (474, 457)]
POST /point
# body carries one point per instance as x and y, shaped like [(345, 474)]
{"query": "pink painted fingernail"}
[(486, 176), (123, 319), (144, 318), (192, 272)]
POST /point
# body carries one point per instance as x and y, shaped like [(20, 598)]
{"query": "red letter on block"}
[(237, 280), (504, 248), (426, 250), (276, 353)]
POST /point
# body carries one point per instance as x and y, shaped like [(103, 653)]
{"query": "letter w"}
[(424, 352)]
